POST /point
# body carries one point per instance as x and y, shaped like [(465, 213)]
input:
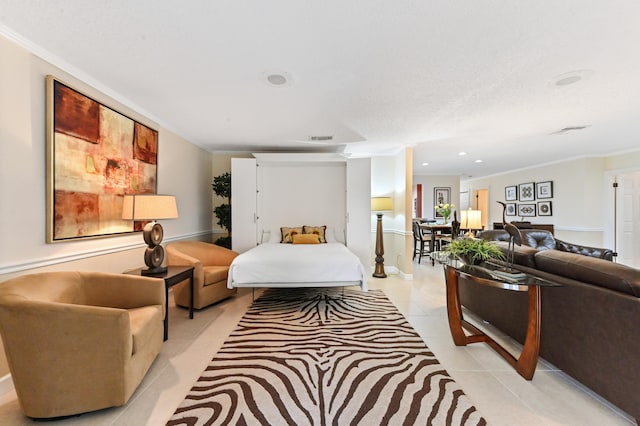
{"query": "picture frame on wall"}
[(544, 189), (510, 209), (527, 191), (544, 208), (95, 156), (441, 195), (511, 193), (526, 210)]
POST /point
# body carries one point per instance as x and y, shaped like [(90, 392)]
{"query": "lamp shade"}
[(381, 204), (149, 207), (471, 219)]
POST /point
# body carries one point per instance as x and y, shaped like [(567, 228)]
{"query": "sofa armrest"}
[(176, 257), (122, 291), (601, 253)]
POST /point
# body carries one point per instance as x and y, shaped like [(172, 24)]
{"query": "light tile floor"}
[(499, 393)]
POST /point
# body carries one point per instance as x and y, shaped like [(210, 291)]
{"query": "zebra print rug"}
[(325, 357)]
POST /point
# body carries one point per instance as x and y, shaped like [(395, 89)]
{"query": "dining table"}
[(434, 229)]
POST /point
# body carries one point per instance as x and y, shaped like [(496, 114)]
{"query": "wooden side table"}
[(173, 276)]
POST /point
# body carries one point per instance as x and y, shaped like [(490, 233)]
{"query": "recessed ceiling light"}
[(277, 79), (478, 161), (425, 164), (570, 78), (462, 153)]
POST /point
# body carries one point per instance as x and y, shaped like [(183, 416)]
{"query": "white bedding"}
[(297, 265)]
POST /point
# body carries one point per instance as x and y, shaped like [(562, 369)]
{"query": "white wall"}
[(183, 170)]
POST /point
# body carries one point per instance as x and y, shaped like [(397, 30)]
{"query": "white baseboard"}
[(6, 384)]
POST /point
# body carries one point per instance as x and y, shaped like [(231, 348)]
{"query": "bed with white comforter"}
[(297, 265)]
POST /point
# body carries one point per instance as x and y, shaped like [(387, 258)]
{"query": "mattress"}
[(297, 265)]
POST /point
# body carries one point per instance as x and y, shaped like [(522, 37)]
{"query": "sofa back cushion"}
[(522, 255), (601, 253), (600, 272), (538, 239)]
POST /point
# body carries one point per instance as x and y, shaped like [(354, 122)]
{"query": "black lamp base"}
[(154, 271)]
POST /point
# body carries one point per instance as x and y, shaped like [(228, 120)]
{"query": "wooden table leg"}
[(526, 363), (191, 296), (454, 310), (528, 359)]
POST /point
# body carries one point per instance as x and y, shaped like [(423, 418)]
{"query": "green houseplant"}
[(222, 188), (473, 251)]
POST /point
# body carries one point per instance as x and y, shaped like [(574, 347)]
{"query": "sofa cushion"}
[(538, 239), (522, 255), (601, 253), (591, 270), (214, 274)]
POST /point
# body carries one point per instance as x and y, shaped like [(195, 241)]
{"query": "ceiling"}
[(443, 76)]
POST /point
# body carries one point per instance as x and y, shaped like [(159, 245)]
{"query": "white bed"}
[(297, 265)]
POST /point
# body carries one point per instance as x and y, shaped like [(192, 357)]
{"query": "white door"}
[(359, 209), (628, 219), (243, 204)]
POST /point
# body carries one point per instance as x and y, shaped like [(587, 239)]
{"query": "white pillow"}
[(332, 235)]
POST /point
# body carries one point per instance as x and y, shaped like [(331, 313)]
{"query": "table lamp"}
[(379, 205), (470, 220), (151, 207)]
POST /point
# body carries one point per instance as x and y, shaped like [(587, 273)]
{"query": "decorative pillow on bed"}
[(306, 239), (286, 234), (320, 231)]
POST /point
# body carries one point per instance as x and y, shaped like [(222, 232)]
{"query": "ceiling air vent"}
[(321, 138), (568, 129)]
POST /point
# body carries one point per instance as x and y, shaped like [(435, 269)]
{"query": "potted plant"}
[(222, 188), (474, 251)]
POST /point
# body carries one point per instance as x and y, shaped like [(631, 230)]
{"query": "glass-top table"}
[(499, 276)]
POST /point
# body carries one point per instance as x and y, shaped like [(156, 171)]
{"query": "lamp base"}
[(154, 271), (379, 270)]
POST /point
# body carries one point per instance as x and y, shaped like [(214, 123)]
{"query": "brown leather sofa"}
[(79, 341), (544, 240), (589, 324)]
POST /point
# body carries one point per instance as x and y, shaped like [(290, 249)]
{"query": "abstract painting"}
[(95, 156)]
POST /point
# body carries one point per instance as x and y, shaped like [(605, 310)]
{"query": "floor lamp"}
[(379, 205)]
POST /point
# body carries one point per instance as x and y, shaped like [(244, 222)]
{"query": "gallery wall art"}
[(525, 193), (95, 156)]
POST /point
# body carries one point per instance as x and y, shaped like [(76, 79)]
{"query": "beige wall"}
[(391, 176), (183, 169), (432, 181), (579, 196)]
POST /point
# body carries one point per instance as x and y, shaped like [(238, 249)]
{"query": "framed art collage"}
[(522, 199)]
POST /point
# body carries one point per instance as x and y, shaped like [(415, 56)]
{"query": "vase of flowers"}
[(444, 210)]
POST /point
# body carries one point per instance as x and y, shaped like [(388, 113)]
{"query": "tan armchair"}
[(79, 341), (211, 268)]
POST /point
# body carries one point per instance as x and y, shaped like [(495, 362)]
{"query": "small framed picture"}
[(511, 209), (544, 189), (511, 193), (527, 191), (526, 210), (544, 208)]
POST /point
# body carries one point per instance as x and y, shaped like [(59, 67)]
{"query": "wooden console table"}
[(525, 363)]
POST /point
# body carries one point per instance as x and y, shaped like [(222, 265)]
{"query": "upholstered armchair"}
[(211, 268), (79, 341)]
